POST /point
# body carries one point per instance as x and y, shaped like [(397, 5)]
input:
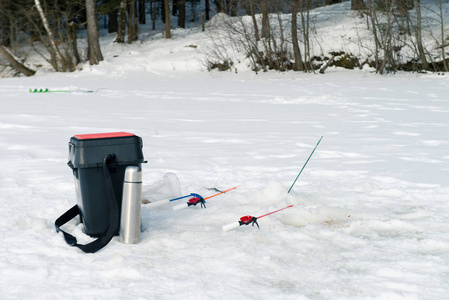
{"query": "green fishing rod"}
[(304, 165)]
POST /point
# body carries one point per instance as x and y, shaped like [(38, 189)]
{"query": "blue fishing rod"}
[(163, 202)]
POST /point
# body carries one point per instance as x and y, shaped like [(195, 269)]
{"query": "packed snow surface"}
[(369, 219), (370, 214)]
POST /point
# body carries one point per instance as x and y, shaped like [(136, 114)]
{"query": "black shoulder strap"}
[(113, 227)]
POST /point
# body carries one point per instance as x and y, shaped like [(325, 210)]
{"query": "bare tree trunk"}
[(233, 8), (182, 13), (299, 64), (120, 38), (60, 60), (374, 24), (132, 21), (253, 17), (15, 64), (418, 36), (93, 37), (383, 36), (386, 39), (154, 15), (327, 64), (174, 8), (73, 37), (142, 12), (112, 23), (5, 24), (220, 6), (265, 20), (225, 6), (280, 50), (207, 8), (443, 42), (304, 7), (136, 21), (167, 19)]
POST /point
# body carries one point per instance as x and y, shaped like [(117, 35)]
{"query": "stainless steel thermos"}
[(131, 203)]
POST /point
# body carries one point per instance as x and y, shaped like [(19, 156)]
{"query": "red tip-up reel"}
[(246, 220), (195, 200), (198, 199)]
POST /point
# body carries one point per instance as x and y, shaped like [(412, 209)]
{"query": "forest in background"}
[(272, 34)]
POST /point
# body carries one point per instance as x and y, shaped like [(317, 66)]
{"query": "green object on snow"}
[(48, 91)]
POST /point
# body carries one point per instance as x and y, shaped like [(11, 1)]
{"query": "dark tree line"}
[(57, 23)]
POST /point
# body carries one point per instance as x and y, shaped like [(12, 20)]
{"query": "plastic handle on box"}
[(230, 226)]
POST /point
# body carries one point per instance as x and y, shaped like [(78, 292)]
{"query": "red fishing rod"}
[(198, 199), (246, 220)]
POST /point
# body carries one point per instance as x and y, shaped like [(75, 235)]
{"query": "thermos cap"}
[(133, 174)]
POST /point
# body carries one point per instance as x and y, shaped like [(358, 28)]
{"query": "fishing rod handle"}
[(157, 203), (180, 206), (230, 226)]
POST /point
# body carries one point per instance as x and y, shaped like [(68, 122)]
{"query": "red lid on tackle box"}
[(102, 135), (89, 150)]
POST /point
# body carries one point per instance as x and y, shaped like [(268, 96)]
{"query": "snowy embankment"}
[(371, 215), (334, 29)]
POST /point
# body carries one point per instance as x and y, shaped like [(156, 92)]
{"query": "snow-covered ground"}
[(370, 214)]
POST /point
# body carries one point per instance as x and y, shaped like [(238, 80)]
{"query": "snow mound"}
[(220, 20), (273, 194), (166, 188)]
